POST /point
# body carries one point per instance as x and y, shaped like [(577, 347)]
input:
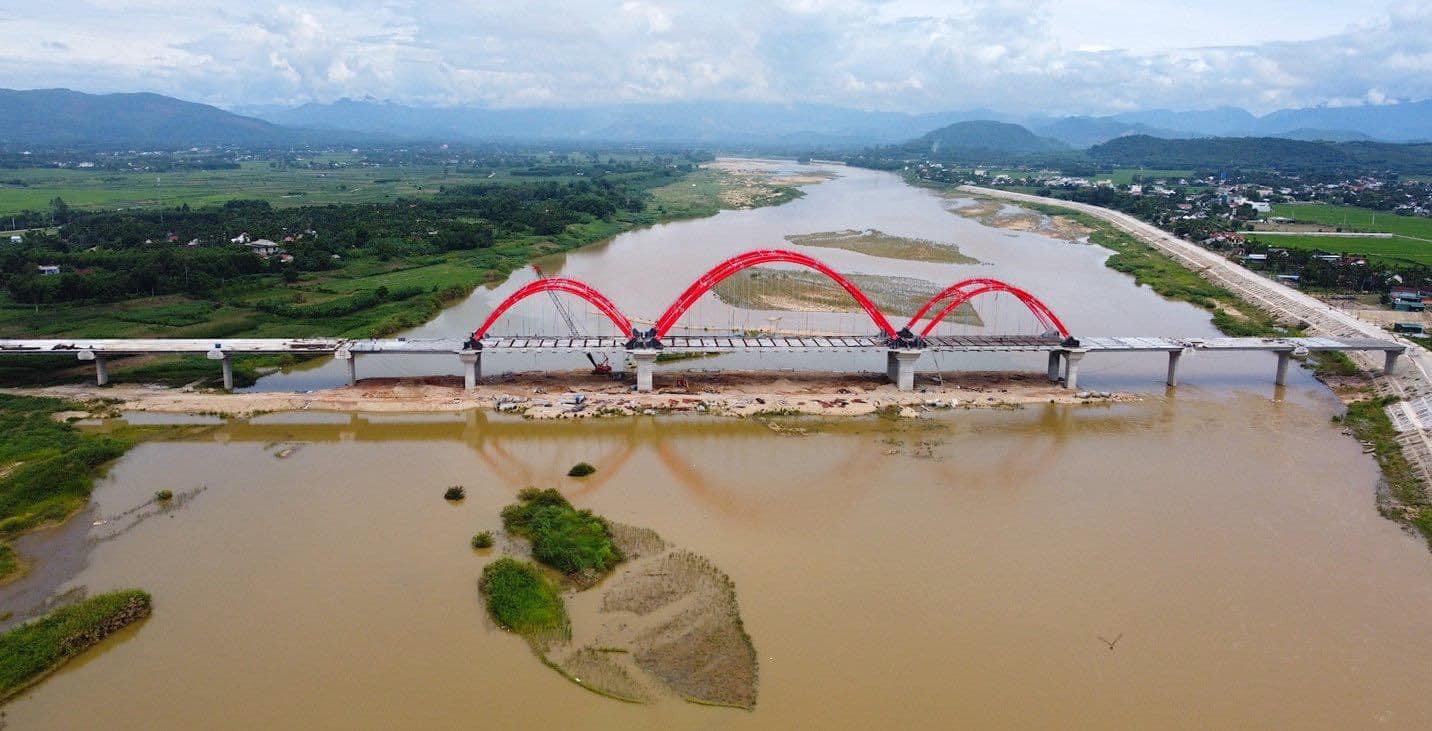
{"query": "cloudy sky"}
[(1051, 56)]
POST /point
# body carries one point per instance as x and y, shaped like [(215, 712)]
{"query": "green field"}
[(1352, 218), (1397, 248)]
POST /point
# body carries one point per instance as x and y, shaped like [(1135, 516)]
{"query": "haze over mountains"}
[(60, 116)]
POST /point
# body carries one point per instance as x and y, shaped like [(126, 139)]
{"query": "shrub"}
[(520, 598), (163, 496), (581, 469), (563, 537), (482, 540), (455, 493)]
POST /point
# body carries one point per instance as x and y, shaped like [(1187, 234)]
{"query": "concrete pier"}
[(1281, 377), (228, 368), (1389, 361), (350, 359), (1054, 365), (1071, 367), (471, 368), (101, 371), (1173, 356), (901, 364), (644, 360)]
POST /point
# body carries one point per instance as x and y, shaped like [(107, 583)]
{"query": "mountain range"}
[(64, 117)]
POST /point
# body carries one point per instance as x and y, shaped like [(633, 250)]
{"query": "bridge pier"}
[(351, 361), (228, 369), (900, 367), (1389, 361), (644, 360), (471, 368), (1281, 377), (1071, 367), (1054, 366), (1173, 356)]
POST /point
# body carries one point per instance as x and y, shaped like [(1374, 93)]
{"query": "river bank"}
[(1245, 303), (584, 395)]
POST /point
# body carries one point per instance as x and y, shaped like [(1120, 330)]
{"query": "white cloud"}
[(1014, 55)]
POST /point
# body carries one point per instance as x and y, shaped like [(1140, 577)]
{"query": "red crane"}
[(601, 367)]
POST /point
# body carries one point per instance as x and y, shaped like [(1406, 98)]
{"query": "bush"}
[(455, 493), (520, 598), (581, 469), (163, 496), (482, 540), (563, 537)]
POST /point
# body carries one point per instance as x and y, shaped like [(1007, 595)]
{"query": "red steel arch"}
[(558, 284), (764, 256), (966, 290)]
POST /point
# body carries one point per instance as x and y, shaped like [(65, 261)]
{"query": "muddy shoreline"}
[(584, 395)]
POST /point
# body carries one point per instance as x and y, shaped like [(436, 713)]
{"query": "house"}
[(1251, 259), (47, 270), (286, 258), (262, 247), (1414, 328), (17, 239), (1406, 299), (242, 238)]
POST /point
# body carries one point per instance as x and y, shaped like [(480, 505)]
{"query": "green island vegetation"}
[(878, 243), (567, 539), (581, 469), (1368, 421), (346, 268), (454, 493), (482, 539), (520, 598), (33, 650), (47, 467), (163, 495)]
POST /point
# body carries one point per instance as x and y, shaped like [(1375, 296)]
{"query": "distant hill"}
[(702, 122), (1086, 131), (978, 135), (1212, 153), (64, 117)]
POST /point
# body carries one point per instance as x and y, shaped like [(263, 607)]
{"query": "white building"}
[(263, 247)]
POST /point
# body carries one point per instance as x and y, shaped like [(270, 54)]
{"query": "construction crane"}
[(600, 367)]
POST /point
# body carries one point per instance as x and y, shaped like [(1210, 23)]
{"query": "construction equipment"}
[(599, 367)]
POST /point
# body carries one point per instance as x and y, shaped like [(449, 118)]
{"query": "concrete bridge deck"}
[(1063, 355)]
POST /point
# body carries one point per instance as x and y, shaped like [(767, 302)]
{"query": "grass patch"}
[(1353, 218), (521, 599), (1370, 424), (48, 466), (563, 537), (581, 469), (33, 650), (9, 563), (482, 540), (454, 493), (1396, 249)]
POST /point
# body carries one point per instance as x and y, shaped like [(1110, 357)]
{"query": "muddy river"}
[(1206, 558)]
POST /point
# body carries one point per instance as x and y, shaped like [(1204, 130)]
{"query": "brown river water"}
[(1223, 537)]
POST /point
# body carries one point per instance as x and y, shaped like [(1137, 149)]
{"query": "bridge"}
[(903, 346)]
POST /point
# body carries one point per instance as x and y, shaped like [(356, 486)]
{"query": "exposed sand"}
[(999, 214), (540, 396), (878, 243), (752, 183)]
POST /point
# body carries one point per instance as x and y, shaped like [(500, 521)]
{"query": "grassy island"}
[(521, 599), (563, 537), (31, 651)]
